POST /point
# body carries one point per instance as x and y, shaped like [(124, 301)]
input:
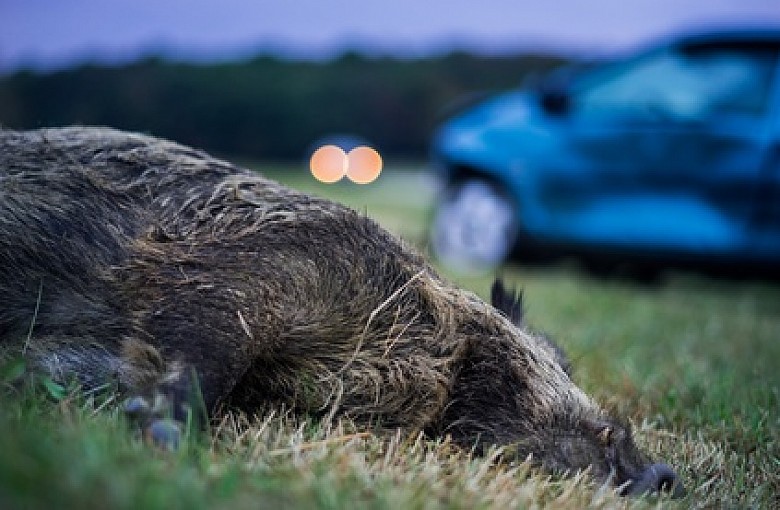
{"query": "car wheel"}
[(474, 226)]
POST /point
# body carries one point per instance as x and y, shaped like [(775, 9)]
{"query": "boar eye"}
[(606, 435)]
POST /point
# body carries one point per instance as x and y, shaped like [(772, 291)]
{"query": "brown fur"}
[(141, 260)]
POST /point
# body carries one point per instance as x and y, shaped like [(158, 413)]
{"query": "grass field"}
[(694, 363)]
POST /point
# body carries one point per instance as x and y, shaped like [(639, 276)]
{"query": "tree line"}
[(267, 108)]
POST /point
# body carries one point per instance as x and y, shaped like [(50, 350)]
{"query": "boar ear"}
[(508, 301)]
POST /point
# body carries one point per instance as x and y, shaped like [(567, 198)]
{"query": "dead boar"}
[(153, 266)]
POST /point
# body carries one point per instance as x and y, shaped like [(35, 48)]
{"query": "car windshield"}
[(682, 83)]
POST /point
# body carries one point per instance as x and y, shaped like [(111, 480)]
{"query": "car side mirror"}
[(555, 101)]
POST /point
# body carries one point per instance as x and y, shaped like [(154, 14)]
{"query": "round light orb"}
[(328, 164), (364, 165)]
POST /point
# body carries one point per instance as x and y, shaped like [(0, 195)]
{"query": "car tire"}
[(474, 227)]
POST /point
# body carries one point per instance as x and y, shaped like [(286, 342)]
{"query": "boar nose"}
[(659, 478)]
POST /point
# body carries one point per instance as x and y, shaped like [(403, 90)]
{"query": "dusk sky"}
[(55, 33)]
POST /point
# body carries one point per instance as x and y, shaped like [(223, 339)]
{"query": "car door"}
[(765, 226), (668, 149)]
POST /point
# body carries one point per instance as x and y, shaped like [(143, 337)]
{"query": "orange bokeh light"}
[(328, 164), (364, 165)]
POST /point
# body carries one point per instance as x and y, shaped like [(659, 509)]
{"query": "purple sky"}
[(53, 33)]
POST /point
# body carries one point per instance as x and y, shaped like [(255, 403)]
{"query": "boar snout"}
[(656, 479)]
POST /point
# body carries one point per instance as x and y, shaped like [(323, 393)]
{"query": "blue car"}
[(671, 154)]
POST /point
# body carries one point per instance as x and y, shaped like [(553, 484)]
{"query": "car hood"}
[(494, 133)]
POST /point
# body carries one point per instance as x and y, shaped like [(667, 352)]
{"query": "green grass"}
[(693, 363)]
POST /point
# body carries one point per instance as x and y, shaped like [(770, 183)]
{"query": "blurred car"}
[(670, 154)]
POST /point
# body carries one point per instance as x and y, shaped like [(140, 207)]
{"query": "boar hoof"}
[(137, 409), (155, 429), (164, 434)]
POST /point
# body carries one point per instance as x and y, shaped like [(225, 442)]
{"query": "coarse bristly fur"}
[(147, 264)]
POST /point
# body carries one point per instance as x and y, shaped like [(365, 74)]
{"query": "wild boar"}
[(153, 266)]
